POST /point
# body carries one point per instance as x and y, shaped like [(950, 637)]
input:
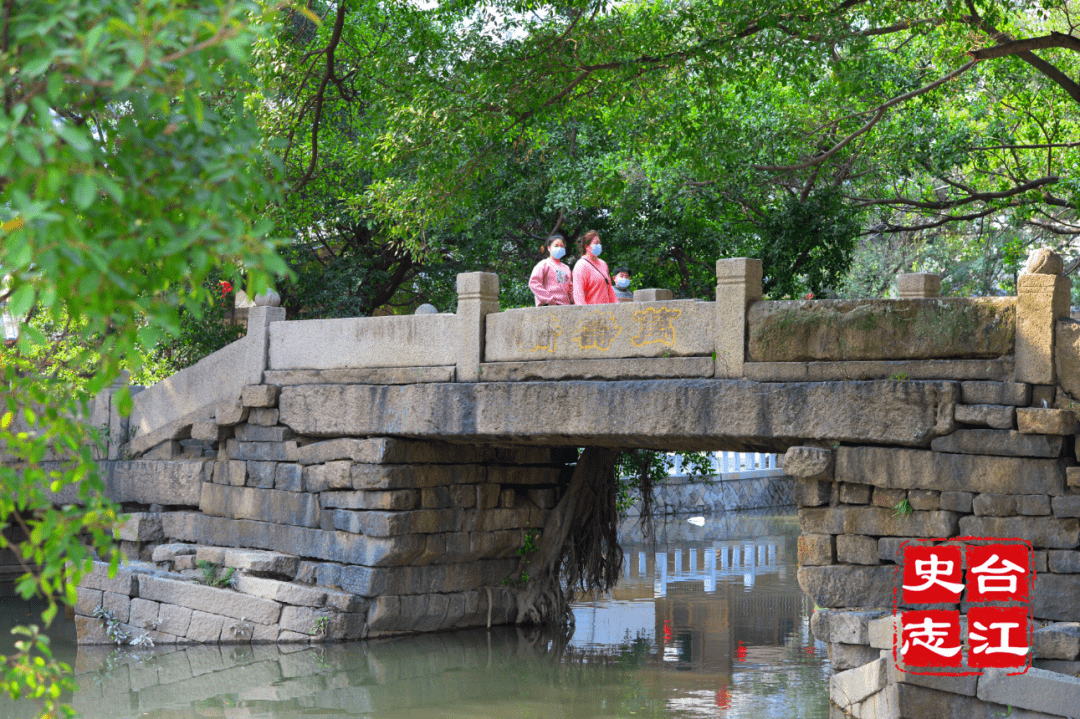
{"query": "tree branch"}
[(973, 197), (335, 38)]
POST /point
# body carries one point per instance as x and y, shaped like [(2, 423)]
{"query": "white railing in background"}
[(742, 463), (738, 560)]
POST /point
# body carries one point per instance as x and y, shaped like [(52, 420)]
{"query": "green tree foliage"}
[(129, 170)]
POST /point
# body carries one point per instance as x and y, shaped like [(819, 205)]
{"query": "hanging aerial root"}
[(579, 549)]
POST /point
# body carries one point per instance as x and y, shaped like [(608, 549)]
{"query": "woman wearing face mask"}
[(550, 281), (592, 283)]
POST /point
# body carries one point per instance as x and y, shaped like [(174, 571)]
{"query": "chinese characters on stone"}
[(997, 635)]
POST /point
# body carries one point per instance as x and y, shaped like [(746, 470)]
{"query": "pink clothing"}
[(592, 283), (551, 282)]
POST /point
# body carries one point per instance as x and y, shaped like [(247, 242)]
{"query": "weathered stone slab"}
[(390, 477), (994, 505), (848, 656), (846, 586), (889, 548), (879, 521), (329, 476), (263, 416), (925, 500), (1034, 505), (822, 520), (888, 498), (259, 395), (169, 449), (679, 328), (1037, 420), (1041, 301), (301, 541), (812, 492), (1035, 689), (914, 469), (1002, 443), (801, 331), (205, 627), (1068, 506), (256, 433), (261, 474), (1057, 641), (232, 472), (367, 342), (284, 592), (262, 451), (169, 552), (441, 578), (598, 369), (1063, 561), (140, 527), (265, 505), (124, 582), (1040, 531), (392, 524), (845, 626), (1072, 476), (322, 624), (816, 549), (367, 375), (849, 688), (229, 412), (809, 462), (995, 369), (208, 430), (856, 549), (708, 414), (956, 501), (397, 500), (172, 483), (209, 599), (150, 436), (253, 560), (289, 477), (995, 416), (89, 600), (1016, 394), (1067, 355), (855, 493), (174, 619)]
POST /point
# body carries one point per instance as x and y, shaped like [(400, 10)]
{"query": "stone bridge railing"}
[(736, 336)]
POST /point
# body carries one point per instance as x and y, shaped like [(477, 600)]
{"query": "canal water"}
[(708, 621)]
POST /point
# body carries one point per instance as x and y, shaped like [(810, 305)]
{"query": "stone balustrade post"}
[(258, 332), (1041, 300), (478, 296), (738, 283), (653, 295), (918, 286)]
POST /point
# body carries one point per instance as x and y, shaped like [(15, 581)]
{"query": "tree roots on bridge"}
[(579, 548)]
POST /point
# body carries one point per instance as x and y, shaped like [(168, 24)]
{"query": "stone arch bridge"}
[(373, 476)]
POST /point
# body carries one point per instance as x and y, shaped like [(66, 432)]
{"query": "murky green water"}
[(709, 621)]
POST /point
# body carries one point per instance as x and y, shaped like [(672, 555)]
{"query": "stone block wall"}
[(314, 539), (1006, 469)]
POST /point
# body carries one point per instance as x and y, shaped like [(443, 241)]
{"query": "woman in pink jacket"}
[(592, 283), (551, 281)]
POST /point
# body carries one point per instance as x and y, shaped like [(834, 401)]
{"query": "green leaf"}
[(85, 192), (75, 137), (20, 301)]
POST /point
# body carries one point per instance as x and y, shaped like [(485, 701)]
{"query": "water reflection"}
[(708, 621)]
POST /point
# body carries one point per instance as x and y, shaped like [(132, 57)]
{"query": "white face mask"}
[(622, 282), (557, 252)]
